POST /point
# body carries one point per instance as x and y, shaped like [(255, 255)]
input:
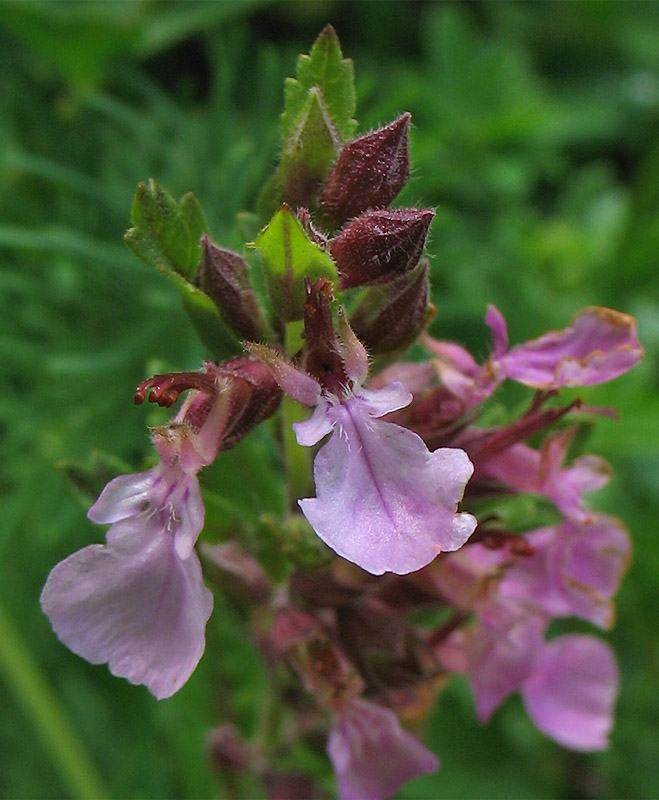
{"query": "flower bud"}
[(369, 172), (380, 245), (223, 276), (389, 318)]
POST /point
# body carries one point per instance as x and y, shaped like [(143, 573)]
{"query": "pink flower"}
[(384, 501), (574, 570), (138, 603), (598, 346), (371, 754)]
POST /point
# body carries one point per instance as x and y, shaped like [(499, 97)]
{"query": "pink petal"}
[(294, 382), (383, 500), (588, 564), (319, 424), (188, 516), (497, 324), (499, 661), (598, 346), (124, 496), (541, 472), (572, 693), (382, 401), (372, 755), (133, 604)]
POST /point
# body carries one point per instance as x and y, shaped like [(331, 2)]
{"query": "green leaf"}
[(289, 256), (166, 234), (326, 69)]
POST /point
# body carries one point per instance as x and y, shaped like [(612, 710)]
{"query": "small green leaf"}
[(325, 68), (166, 234), (289, 256)]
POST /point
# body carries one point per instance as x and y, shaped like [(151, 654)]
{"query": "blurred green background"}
[(536, 136)]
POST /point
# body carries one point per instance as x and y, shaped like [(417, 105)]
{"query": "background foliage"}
[(535, 136)]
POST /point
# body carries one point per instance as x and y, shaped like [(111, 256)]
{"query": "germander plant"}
[(397, 489)]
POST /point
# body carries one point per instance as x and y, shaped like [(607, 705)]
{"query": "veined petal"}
[(124, 496), (572, 692), (384, 501), (133, 604), (372, 755)]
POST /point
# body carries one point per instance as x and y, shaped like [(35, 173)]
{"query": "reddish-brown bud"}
[(369, 172), (389, 318), (292, 786), (228, 751), (380, 245), (224, 276), (322, 352), (258, 403)]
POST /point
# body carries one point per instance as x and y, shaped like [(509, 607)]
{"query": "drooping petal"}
[(598, 346), (133, 604), (124, 497), (384, 501), (572, 692), (188, 516), (372, 755)]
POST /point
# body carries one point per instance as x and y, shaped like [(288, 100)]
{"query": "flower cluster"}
[(407, 480)]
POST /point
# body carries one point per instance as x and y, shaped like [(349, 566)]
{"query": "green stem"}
[(57, 734)]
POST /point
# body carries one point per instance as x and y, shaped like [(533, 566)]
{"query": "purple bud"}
[(389, 318), (369, 172), (380, 245), (223, 275)]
